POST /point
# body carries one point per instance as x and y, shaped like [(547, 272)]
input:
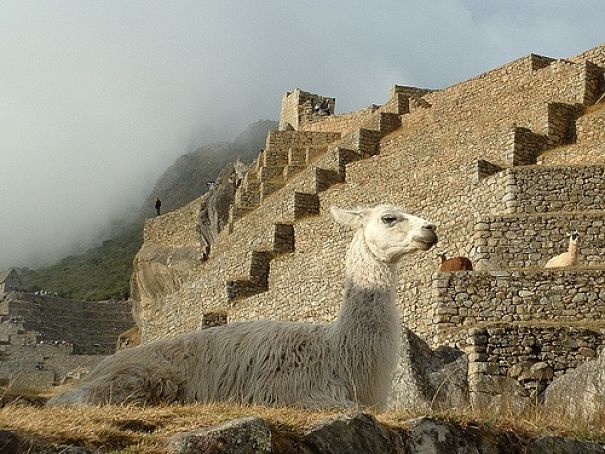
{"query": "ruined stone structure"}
[(43, 338), (10, 281), (506, 164)]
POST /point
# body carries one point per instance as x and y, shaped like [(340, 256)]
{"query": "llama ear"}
[(353, 217)]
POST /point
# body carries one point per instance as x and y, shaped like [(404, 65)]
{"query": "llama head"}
[(389, 232), (573, 237)]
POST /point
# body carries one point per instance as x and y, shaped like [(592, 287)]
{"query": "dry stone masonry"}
[(506, 164), (45, 339)]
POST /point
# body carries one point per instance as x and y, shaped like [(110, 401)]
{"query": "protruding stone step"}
[(336, 160), (594, 83), (561, 123), (366, 141), (304, 204), (325, 178), (257, 280), (388, 122), (537, 62), (525, 146), (243, 288), (401, 96), (283, 238)]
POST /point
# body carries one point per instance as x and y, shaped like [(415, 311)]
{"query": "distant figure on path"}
[(324, 108), (211, 185), (158, 205)]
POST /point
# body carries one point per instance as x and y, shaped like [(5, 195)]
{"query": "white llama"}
[(349, 361), (569, 258)]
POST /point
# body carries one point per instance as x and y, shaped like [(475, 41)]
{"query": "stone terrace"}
[(486, 159), (43, 338)]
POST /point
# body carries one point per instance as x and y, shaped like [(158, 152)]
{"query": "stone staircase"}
[(537, 207), (481, 135), (289, 153), (523, 325)]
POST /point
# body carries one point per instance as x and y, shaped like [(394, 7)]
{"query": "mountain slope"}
[(104, 271)]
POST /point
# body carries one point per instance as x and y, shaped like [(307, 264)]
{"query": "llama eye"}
[(388, 219)]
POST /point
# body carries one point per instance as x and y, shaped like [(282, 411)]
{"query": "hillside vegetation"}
[(104, 271)]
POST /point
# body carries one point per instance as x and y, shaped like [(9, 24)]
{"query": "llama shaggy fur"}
[(569, 258), (455, 263), (346, 362)]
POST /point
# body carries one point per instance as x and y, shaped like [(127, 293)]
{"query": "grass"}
[(132, 429)]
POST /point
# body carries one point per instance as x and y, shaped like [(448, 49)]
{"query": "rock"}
[(433, 436), (158, 271), (349, 434), (499, 394), (562, 445), (426, 378), (214, 213), (580, 393), (11, 442), (249, 435), (541, 371), (427, 435)]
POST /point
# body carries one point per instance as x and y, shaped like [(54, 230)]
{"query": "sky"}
[(99, 97)]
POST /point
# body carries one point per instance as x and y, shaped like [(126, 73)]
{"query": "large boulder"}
[(249, 435), (349, 434), (562, 445), (158, 271), (214, 212), (580, 393), (429, 379)]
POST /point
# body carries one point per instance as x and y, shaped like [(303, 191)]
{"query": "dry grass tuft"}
[(140, 429), (130, 429)]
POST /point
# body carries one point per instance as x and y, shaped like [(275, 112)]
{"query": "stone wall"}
[(92, 327), (35, 366), (547, 189), (466, 299), (592, 126), (297, 108), (531, 355), (596, 55), (175, 228), (520, 240), (428, 165), (341, 123)]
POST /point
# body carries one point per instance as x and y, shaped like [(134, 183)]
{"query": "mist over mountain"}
[(104, 271), (186, 179)]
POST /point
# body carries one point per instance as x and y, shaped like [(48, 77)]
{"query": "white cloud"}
[(97, 98)]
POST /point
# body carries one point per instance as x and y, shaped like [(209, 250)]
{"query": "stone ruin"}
[(45, 340), (506, 164)]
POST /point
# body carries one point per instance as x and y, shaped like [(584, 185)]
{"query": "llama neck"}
[(369, 294), (573, 249)]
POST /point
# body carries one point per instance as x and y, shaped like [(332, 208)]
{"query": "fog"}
[(98, 98)]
